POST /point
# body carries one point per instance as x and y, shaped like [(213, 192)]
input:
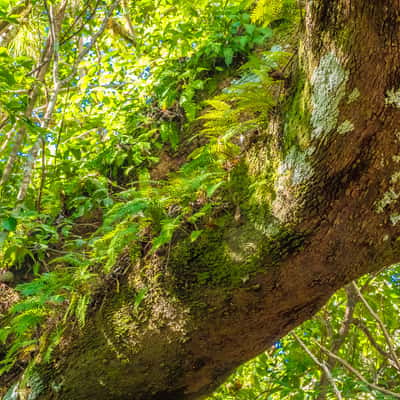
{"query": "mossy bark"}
[(327, 216)]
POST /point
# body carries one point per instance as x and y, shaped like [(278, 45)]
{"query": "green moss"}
[(297, 117), (210, 261), (281, 245)]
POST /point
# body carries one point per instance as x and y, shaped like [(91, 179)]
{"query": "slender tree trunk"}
[(217, 302)]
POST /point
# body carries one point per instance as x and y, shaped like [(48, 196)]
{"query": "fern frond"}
[(266, 11)]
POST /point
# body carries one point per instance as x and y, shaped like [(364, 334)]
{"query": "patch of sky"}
[(395, 279), (84, 104), (145, 74)]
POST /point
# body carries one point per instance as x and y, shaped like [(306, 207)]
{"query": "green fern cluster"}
[(36, 323), (245, 106), (152, 211), (267, 11)]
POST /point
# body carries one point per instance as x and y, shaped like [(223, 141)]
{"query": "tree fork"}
[(217, 302)]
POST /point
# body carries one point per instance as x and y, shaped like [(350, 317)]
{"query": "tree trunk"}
[(329, 216)]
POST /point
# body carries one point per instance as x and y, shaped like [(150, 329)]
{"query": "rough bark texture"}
[(330, 216)]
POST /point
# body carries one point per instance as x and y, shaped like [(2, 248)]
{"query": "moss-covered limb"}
[(307, 223)]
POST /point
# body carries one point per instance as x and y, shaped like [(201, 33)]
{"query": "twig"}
[(360, 324), (381, 324), (338, 342), (86, 50), (357, 373), (55, 26), (321, 365)]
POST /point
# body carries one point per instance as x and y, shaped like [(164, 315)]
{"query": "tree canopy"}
[(128, 127)]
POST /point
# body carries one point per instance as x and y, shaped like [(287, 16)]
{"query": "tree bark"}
[(331, 216)]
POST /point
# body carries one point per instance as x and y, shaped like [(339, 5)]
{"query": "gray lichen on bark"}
[(328, 89)]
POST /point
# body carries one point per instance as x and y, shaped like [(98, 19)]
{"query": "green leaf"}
[(140, 296), (228, 56), (250, 28), (212, 189), (195, 234), (9, 224)]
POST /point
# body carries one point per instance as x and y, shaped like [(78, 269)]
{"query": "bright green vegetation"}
[(129, 127), (134, 135)]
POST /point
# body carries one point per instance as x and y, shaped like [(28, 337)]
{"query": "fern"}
[(168, 227), (267, 11), (122, 210), (246, 104)]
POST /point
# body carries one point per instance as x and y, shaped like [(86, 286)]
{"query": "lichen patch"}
[(345, 127), (393, 98), (353, 96), (328, 89)]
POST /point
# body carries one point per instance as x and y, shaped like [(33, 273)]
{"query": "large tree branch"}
[(329, 218)]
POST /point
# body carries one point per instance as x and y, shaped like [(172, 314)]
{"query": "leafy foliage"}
[(135, 93)]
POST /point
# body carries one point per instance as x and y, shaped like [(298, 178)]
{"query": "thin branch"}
[(360, 324), (321, 364), (18, 9), (8, 30), (7, 140), (381, 324), (86, 50), (40, 74), (55, 26), (347, 320), (338, 342), (128, 18), (76, 32), (357, 373)]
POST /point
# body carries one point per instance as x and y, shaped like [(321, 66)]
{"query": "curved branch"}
[(321, 364), (357, 373), (381, 324)]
